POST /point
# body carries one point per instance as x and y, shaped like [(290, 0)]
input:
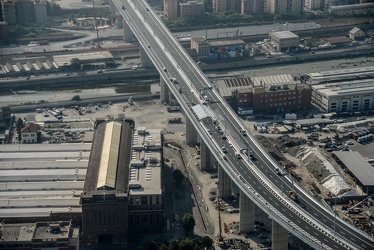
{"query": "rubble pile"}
[(324, 171)]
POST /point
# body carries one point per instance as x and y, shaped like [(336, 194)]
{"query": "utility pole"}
[(97, 30)]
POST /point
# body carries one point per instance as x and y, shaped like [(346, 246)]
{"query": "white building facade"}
[(348, 96)]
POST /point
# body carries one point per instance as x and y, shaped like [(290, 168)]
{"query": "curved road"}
[(318, 224)]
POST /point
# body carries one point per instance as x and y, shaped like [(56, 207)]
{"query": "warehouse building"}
[(340, 75), (360, 170), (284, 40), (42, 183), (348, 96), (347, 90)]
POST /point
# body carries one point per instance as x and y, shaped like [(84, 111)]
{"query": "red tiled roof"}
[(30, 128)]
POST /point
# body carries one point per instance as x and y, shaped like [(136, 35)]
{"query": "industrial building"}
[(56, 63), (360, 170), (145, 187), (218, 50), (39, 235), (123, 184), (105, 194), (269, 94), (42, 183), (347, 90), (351, 8), (284, 40)]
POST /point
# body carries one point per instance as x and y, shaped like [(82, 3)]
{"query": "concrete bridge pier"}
[(145, 61), (247, 213), (128, 35), (279, 237), (224, 185), (164, 91), (207, 158), (191, 133)]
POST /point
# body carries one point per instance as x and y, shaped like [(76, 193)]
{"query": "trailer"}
[(175, 119), (173, 108)]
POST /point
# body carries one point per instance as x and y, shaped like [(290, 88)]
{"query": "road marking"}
[(353, 239)]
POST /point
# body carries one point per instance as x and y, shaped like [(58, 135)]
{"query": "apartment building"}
[(24, 11), (40, 11), (3, 31), (171, 8), (285, 6), (252, 6), (312, 5), (9, 12), (192, 8)]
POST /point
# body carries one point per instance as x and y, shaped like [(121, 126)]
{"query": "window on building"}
[(157, 200), (144, 219), (144, 200)]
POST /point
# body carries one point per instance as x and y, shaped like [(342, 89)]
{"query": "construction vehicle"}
[(292, 194), (130, 101), (353, 208), (220, 239), (197, 149)]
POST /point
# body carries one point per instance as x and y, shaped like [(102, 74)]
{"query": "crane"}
[(97, 30)]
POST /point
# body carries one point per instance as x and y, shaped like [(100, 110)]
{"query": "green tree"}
[(19, 125), (76, 98), (173, 245), (188, 222), (178, 177), (75, 64), (186, 244), (53, 9), (163, 247), (206, 242)]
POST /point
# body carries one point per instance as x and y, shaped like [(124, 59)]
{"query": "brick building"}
[(105, 194), (269, 94)]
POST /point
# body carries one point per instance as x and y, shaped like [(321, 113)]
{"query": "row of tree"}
[(195, 243)]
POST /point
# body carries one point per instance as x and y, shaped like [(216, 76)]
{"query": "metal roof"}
[(360, 168), (44, 183), (109, 156)]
